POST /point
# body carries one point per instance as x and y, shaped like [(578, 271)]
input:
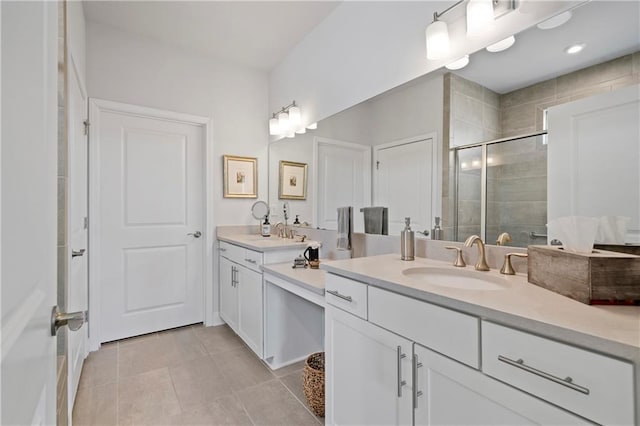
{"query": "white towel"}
[(345, 227)]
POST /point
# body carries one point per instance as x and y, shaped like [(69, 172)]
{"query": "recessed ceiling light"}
[(501, 45), (458, 64), (555, 21), (574, 48)]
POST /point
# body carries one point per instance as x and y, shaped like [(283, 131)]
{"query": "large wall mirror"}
[(470, 145)]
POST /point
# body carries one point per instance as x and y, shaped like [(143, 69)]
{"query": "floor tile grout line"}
[(304, 404), (244, 408)]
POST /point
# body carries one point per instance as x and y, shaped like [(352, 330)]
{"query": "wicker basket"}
[(313, 382)]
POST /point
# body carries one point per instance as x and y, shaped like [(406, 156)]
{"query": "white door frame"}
[(317, 141), (96, 106), (436, 168), (74, 74)]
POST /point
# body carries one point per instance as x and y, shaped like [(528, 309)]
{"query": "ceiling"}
[(609, 29), (258, 34)]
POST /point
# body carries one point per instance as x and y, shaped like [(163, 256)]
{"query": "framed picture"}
[(240, 177), (293, 181)]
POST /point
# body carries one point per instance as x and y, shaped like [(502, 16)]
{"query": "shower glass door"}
[(501, 186)]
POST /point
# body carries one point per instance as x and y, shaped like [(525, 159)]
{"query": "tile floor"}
[(193, 375)]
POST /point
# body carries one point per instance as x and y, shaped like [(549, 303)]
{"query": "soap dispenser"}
[(436, 232), (407, 241), (266, 227)]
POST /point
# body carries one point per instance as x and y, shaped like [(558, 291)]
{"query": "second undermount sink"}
[(456, 278)]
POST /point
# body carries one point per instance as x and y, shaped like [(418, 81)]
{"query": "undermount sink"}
[(456, 278)]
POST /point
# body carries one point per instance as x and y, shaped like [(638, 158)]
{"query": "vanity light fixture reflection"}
[(501, 45), (555, 21), (287, 121), (312, 126), (458, 64)]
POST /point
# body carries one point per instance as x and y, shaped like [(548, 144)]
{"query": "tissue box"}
[(601, 277)]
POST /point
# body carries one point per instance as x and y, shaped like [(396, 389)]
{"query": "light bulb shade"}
[(291, 135), (459, 64), (480, 16), (312, 126), (502, 45), (437, 35), (283, 121), (295, 118), (274, 127), (301, 130)]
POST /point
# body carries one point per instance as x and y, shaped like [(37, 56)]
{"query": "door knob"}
[(196, 234), (76, 253), (73, 320)]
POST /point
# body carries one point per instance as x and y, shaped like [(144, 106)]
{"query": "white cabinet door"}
[(366, 367), (250, 308), (228, 293), (449, 393)]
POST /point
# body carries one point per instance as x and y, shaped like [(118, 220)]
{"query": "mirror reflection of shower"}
[(501, 186)]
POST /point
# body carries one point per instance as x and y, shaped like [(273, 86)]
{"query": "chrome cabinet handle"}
[(222, 249), (196, 234), (251, 261), (567, 381), (233, 276), (341, 296), (77, 253), (401, 382), (416, 393)]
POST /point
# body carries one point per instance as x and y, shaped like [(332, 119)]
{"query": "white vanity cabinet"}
[(395, 372), (242, 289), (368, 372)]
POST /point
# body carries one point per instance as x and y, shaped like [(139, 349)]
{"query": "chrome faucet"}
[(503, 239), (481, 264), (280, 229)]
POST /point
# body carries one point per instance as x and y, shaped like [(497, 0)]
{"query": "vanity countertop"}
[(611, 329), (310, 279), (260, 243)]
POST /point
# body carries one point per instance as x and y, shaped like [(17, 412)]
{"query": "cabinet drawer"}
[(232, 252), (346, 294), (451, 333), (595, 386), (252, 260)]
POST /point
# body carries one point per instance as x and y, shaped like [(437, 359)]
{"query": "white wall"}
[(365, 48), (76, 38), (125, 67)]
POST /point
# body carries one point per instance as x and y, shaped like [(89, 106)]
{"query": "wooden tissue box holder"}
[(601, 277)]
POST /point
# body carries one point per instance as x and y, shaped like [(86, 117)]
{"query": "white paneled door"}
[(29, 162), (150, 212), (404, 175), (343, 179)]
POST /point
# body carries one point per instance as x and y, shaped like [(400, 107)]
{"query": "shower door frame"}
[(483, 176)]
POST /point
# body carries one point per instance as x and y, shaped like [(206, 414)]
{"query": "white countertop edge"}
[(296, 287), (260, 248), (267, 270), (562, 334)]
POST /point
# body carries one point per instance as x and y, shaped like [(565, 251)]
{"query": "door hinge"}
[(377, 165), (86, 222), (87, 124)]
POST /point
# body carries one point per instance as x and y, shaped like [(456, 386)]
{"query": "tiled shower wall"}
[(517, 188)]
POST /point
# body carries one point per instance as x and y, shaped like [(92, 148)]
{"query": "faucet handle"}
[(459, 262), (507, 267)]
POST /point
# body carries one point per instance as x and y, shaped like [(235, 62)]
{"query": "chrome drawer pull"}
[(568, 381), (251, 261), (401, 382), (222, 249), (416, 393), (341, 296)]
